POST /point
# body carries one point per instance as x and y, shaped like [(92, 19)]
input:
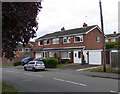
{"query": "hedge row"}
[(50, 62), (17, 63)]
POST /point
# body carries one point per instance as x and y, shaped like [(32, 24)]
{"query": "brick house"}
[(24, 51), (112, 37), (72, 44)]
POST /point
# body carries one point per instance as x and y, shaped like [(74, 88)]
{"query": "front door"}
[(77, 56)]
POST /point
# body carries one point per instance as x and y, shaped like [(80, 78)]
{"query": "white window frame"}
[(113, 39), (21, 49), (106, 40), (68, 52), (51, 54), (98, 40), (44, 54), (28, 49), (80, 36), (56, 41), (39, 43), (67, 38), (45, 42)]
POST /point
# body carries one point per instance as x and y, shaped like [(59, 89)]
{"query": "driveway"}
[(76, 66)]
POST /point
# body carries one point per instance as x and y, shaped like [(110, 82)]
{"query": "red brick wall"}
[(89, 41), (5, 61)]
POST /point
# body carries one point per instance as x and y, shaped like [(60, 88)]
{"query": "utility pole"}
[(103, 41)]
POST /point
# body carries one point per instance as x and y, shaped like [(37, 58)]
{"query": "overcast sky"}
[(73, 13)]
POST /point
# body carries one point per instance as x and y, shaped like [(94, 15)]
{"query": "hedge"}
[(50, 62), (17, 63)]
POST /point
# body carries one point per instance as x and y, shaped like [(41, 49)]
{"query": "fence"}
[(115, 58)]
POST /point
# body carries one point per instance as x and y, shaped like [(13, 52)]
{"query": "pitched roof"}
[(112, 35), (33, 43), (67, 32)]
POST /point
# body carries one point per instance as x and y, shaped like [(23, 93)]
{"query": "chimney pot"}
[(114, 32), (62, 29), (84, 25)]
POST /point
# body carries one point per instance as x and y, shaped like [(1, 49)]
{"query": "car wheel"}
[(34, 69), (25, 69)]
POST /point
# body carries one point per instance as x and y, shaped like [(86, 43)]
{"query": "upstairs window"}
[(66, 39), (106, 40), (40, 43), (56, 41), (21, 50), (78, 38), (27, 49), (46, 42), (113, 40), (98, 39)]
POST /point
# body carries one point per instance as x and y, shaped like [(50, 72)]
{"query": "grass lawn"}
[(6, 89), (6, 65), (108, 70), (61, 65)]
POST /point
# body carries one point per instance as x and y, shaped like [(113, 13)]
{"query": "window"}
[(78, 38), (79, 54), (98, 39), (51, 54), (56, 41), (106, 40), (44, 54), (113, 40), (47, 42), (21, 50), (66, 55), (40, 43), (66, 39), (27, 49)]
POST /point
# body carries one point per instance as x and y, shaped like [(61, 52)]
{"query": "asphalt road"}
[(56, 81)]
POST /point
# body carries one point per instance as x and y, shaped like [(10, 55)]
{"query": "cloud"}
[(72, 14)]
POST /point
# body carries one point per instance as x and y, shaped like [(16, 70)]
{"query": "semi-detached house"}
[(72, 44)]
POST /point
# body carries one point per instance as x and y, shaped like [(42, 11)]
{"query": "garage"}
[(38, 55), (95, 57)]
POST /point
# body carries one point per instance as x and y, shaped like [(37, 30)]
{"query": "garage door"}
[(95, 57), (37, 55)]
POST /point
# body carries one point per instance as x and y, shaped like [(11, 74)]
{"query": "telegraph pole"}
[(103, 41)]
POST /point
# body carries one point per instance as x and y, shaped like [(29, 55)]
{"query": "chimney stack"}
[(84, 25), (63, 29), (114, 32)]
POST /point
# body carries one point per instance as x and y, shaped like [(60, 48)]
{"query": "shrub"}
[(64, 60), (50, 62), (17, 63)]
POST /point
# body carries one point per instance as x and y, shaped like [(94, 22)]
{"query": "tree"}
[(112, 45), (18, 24)]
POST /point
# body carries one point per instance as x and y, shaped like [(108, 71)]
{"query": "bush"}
[(64, 60), (17, 63), (50, 62)]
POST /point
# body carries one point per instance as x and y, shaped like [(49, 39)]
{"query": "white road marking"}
[(12, 71), (33, 75), (115, 92), (69, 82)]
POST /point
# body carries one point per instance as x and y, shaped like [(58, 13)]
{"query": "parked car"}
[(34, 65), (37, 59), (26, 60)]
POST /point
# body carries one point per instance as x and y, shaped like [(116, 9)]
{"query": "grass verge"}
[(6, 89), (61, 65), (6, 65), (108, 70)]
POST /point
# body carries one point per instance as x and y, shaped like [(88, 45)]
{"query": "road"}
[(56, 81)]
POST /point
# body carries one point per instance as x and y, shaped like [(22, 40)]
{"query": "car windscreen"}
[(39, 63)]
